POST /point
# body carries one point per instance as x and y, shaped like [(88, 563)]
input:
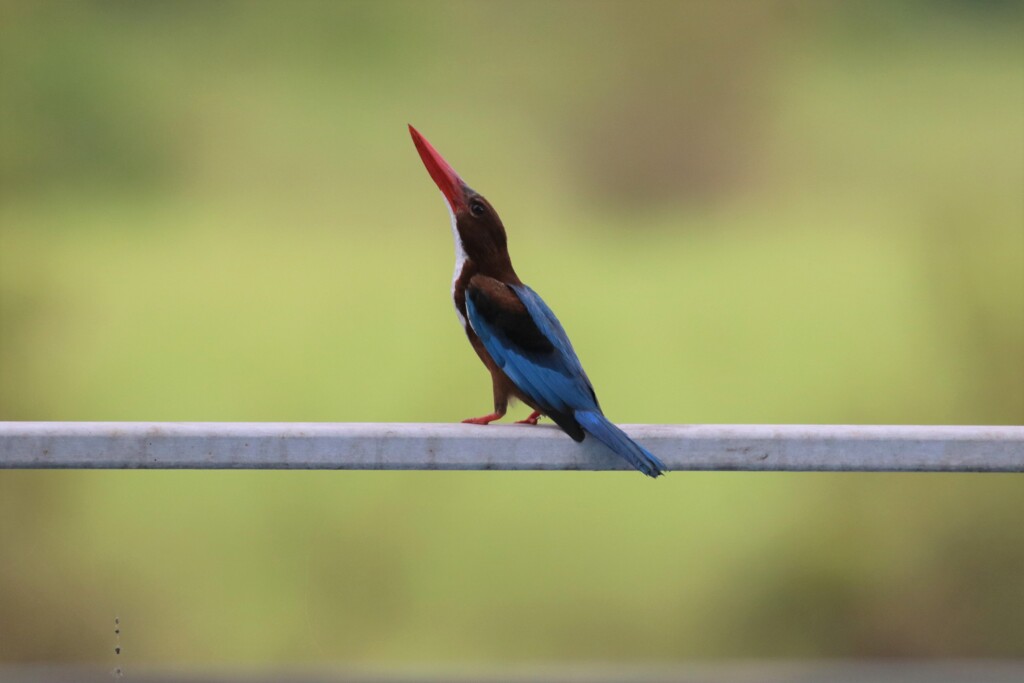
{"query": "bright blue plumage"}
[(552, 376), (595, 423)]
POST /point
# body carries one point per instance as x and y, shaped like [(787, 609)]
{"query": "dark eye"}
[(477, 209)]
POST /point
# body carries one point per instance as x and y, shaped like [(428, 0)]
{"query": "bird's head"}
[(475, 224)]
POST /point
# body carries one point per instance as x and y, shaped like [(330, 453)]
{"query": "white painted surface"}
[(212, 445)]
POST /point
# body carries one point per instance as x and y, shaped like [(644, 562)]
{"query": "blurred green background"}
[(742, 212)]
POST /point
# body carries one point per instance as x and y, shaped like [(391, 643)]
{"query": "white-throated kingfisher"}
[(513, 331)]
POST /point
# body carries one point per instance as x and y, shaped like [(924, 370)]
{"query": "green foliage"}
[(213, 212)]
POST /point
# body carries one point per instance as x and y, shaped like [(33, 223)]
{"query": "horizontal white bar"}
[(381, 446)]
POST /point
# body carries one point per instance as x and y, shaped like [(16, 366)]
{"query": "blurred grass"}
[(213, 212)]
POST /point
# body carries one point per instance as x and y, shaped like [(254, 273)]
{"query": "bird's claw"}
[(486, 419), (532, 420)]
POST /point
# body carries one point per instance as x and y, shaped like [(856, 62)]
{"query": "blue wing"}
[(527, 342), (525, 339)]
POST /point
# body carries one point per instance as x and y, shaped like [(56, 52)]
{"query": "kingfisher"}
[(512, 330)]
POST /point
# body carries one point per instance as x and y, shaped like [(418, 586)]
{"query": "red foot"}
[(486, 419), (532, 420)]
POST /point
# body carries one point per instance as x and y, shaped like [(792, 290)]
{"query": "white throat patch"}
[(460, 258)]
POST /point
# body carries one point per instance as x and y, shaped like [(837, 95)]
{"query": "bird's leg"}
[(532, 420), (500, 404), (485, 420)]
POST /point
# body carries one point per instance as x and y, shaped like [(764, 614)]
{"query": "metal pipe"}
[(382, 446)]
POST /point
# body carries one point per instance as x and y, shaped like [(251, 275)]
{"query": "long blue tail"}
[(600, 428)]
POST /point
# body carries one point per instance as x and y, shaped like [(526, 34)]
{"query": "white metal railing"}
[(381, 446)]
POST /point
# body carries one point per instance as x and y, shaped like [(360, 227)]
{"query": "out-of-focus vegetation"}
[(742, 212)]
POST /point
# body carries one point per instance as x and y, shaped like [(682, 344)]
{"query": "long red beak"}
[(448, 181)]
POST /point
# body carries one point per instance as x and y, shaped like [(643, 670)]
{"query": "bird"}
[(512, 330)]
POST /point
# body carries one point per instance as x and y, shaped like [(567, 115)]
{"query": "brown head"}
[(478, 231)]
